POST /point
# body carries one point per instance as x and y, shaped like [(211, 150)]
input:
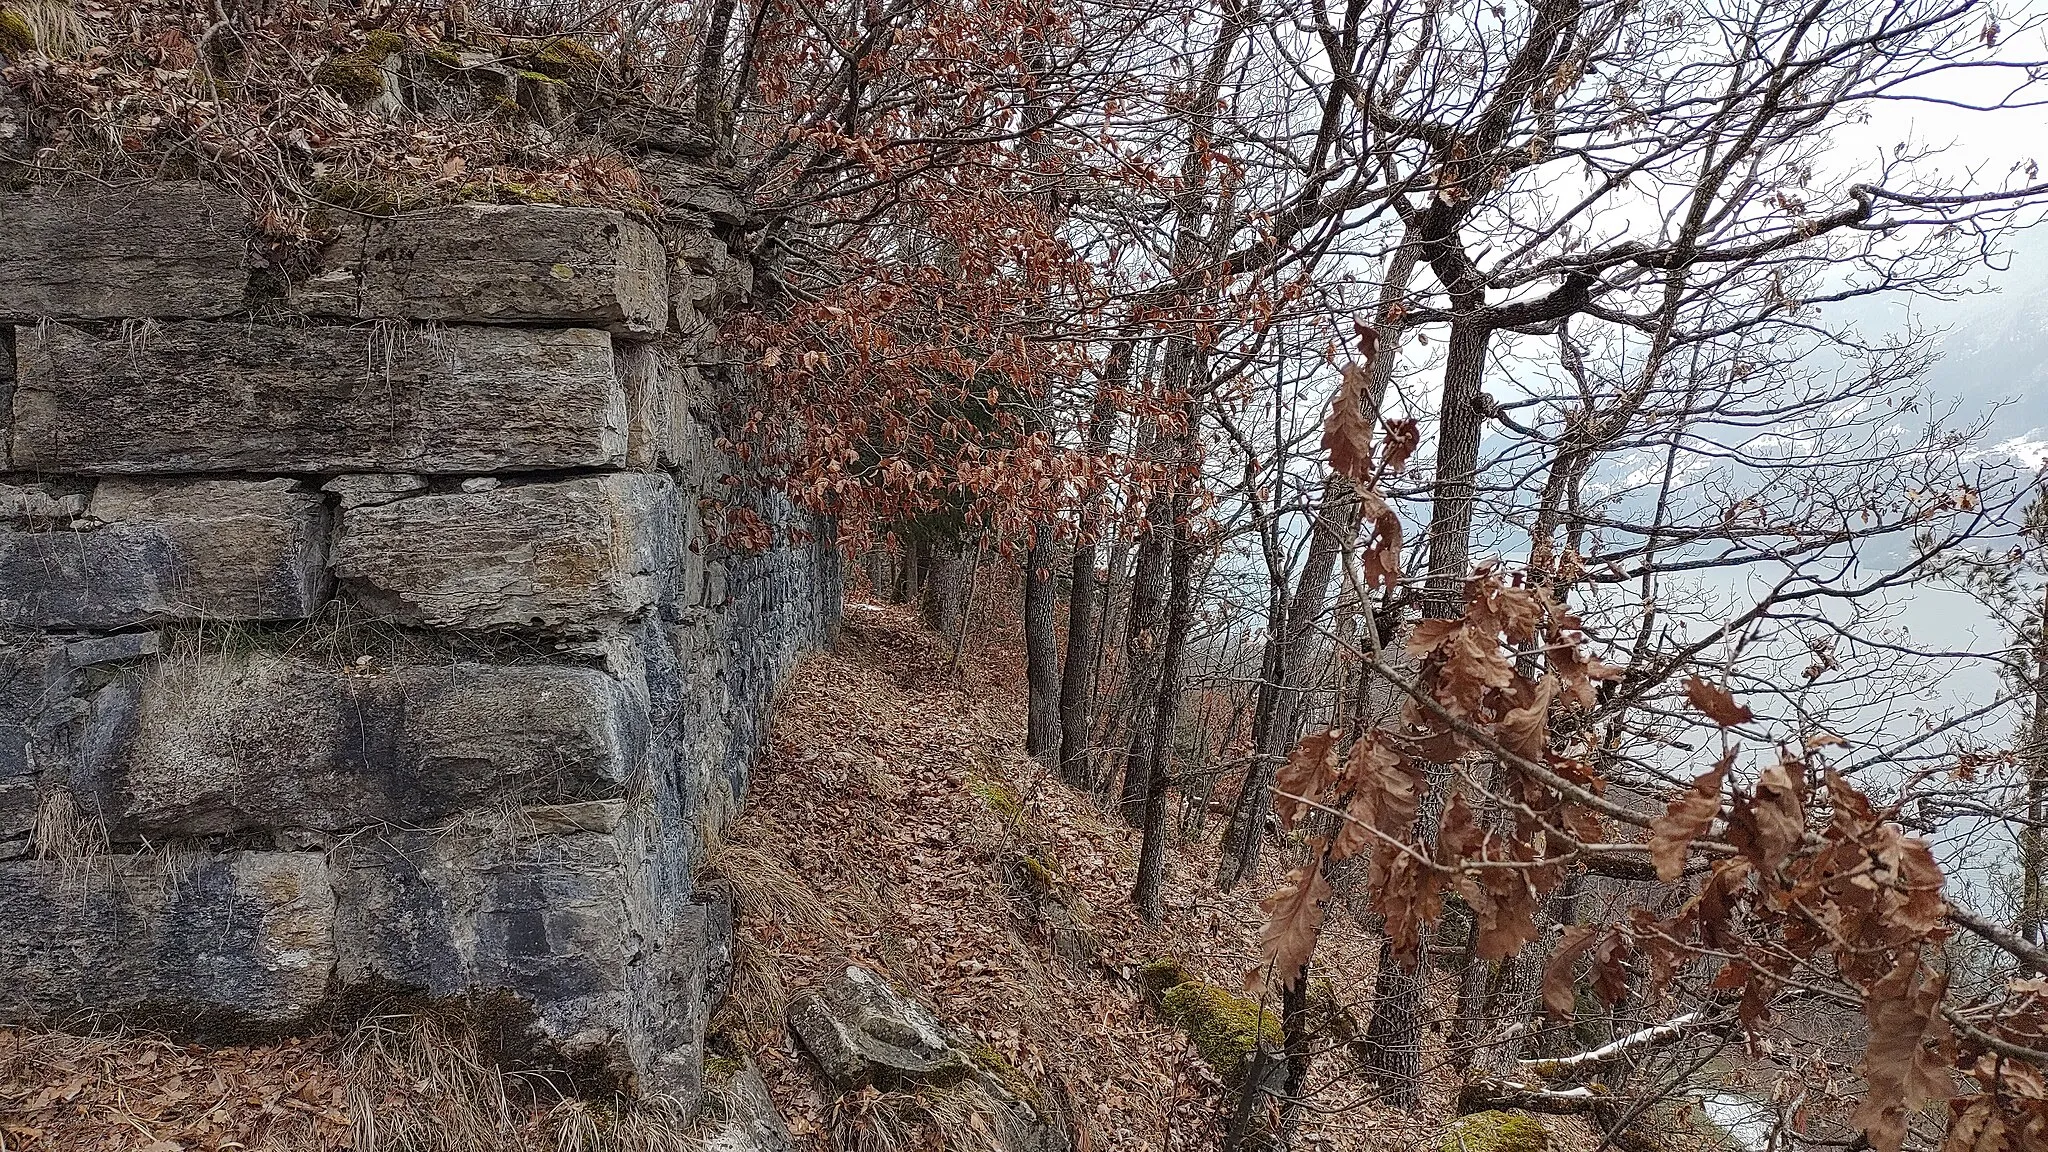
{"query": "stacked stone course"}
[(361, 636)]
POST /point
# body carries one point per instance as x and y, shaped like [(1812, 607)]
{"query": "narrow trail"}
[(896, 824)]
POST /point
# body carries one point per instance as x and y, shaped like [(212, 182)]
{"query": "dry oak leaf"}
[(1347, 433), (1399, 443), (1560, 994), (1910, 1053), (1294, 913), (1716, 702), (1307, 774), (1769, 825), (1686, 819), (1383, 791)]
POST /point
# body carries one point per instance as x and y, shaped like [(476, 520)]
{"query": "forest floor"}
[(888, 827)]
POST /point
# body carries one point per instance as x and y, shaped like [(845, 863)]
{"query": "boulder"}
[(580, 552), (200, 397), (496, 264), (224, 743), (738, 1114), (225, 943), (86, 251), (861, 1031), (138, 552)]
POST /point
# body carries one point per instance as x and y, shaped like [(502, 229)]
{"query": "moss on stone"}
[(1496, 1131), (358, 76), (1161, 975), (718, 1069), (1013, 1080), (567, 60), (1225, 1029), (15, 33)]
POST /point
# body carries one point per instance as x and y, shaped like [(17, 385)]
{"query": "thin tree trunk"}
[(2033, 844), (1084, 607), (1041, 651), (1152, 854), (1142, 645)]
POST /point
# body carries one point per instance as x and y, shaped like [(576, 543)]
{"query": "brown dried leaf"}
[(1772, 822), (1716, 702), (1380, 564), (1685, 820), (1399, 443), (1306, 776), (1524, 730), (1560, 994), (1294, 914), (1909, 1054), (1347, 433)]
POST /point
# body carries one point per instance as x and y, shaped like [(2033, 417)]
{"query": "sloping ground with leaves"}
[(897, 825)]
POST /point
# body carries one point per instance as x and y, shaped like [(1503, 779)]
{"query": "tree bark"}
[(1041, 651), (1142, 653), (1084, 608), (1180, 615)]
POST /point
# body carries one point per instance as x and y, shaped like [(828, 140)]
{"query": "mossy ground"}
[(1497, 1131), (1225, 1029)]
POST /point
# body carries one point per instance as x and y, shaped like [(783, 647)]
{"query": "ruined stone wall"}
[(361, 632)]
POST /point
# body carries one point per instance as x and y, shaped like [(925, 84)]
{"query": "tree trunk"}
[(1041, 652), (1142, 653), (1152, 855), (2033, 844), (1084, 608), (942, 599)]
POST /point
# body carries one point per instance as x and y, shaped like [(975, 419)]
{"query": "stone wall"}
[(361, 635)]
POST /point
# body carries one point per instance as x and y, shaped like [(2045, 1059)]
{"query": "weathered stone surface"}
[(355, 491), (496, 264), (738, 1114), (230, 743), (84, 251), (31, 726), (198, 397), (39, 501), (576, 552), (210, 549), (483, 908), (861, 1032), (231, 941)]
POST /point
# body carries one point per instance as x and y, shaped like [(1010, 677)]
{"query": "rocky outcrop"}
[(363, 639), (863, 1033)]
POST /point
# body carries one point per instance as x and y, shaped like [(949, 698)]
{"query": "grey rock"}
[(358, 490), (861, 1031), (235, 941), (210, 549), (559, 923), (496, 264), (93, 651), (83, 251), (577, 552), (479, 483), (199, 397), (219, 743), (738, 1114), (39, 501)]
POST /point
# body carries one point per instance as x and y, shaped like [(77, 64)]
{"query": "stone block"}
[(566, 554), (210, 549), (224, 743), (496, 264), (483, 909), (231, 942), (199, 397), (83, 251)]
